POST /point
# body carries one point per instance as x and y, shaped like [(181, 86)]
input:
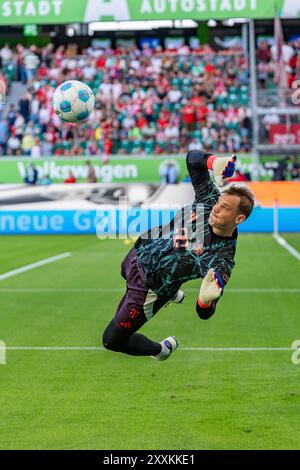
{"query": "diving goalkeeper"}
[(158, 264)]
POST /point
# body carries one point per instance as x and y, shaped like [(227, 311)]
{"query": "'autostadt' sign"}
[(84, 11)]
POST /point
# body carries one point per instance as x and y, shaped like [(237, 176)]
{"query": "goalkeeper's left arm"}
[(210, 292)]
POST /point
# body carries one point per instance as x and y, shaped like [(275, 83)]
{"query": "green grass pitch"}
[(96, 399)]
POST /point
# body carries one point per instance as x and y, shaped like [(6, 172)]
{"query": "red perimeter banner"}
[(282, 134)]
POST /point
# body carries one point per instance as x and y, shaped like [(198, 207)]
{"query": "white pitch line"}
[(29, 267), (235, 349), (282, 242), (89, 290), (94, 348)]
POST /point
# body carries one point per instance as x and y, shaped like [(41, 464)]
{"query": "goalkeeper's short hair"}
[(246, 198)]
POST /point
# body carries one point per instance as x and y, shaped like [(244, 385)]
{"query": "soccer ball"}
[(73, 101)]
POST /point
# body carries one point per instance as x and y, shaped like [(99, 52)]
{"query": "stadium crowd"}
[(269, 75), (266, 55), (148, 101)]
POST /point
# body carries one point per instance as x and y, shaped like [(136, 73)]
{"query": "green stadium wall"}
[(119, 169)]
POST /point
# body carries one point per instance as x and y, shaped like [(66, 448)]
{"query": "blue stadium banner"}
[(113, 223)]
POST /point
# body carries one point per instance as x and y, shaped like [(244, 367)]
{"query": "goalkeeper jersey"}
[(166, 267)]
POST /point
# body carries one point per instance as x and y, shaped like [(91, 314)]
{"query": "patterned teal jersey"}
[(165, 265)]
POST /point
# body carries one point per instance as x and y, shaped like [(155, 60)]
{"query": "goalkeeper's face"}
[(225, 214)]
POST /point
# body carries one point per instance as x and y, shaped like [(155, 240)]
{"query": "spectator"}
[(263, 52), (43, 72), (89, 71), (287, 52), (281, 171), (31, 175), (71, 179), (27, 144), (44, 117), (295, 168), (24, 106), (36, 149), (195, 144), (11, 115), (31, 63), (4, 135), (169, 173), (6, 55), (20, 62), (269, 120), (13, 144), (263, 71), (18, 126), (174, 94), (171, 131), (91, 173), (188, 116), (34, 109), (45, 180)]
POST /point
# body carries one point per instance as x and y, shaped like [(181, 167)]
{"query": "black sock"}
[(134, 344)]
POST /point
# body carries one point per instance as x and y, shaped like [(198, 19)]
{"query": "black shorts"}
[(139, 303)]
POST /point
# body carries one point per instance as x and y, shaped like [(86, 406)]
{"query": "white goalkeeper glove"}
[(211, 288), (223, 167)]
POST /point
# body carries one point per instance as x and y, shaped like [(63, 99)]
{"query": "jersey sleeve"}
[(206, 313), (223, 267), (224, 263), (206, 191)]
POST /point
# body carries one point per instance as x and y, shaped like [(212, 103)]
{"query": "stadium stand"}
[(202, 104), (266, 56)]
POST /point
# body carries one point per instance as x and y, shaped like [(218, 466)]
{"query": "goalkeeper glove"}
[(211, 289), (223, 168)]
